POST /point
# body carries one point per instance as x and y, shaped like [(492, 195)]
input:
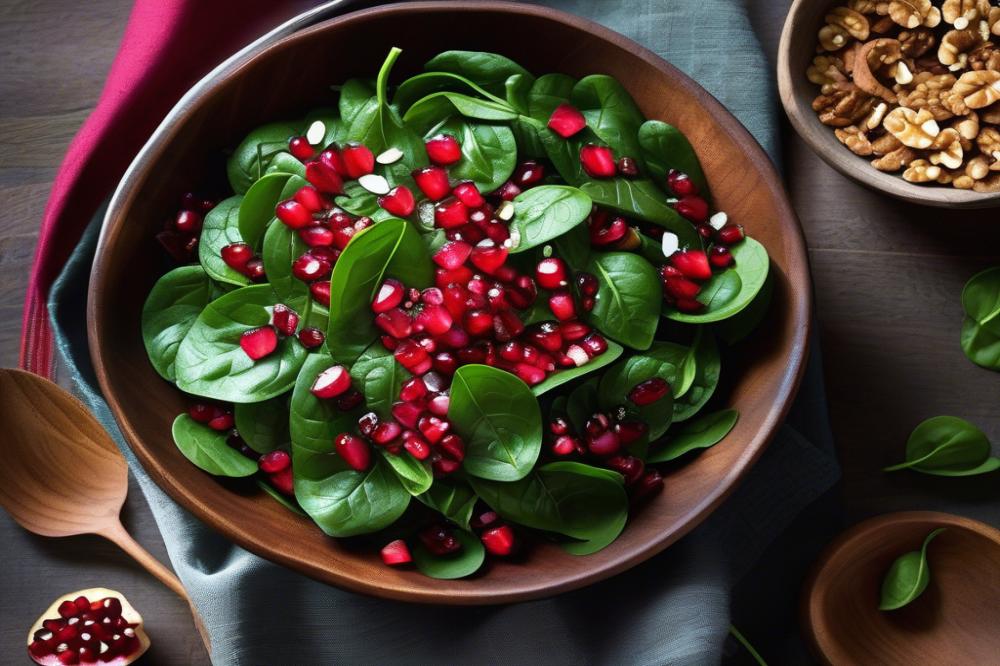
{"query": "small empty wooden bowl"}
[(795, 52), (954, 621), (288, 77)]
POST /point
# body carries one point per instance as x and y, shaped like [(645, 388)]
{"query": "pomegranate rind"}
[(130, 614)]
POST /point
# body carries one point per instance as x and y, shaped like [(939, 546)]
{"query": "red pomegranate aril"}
[(445, 466), (413, 389), (435, 319), (259, 342), (528, 173), (565, 445), (522, 293), (577, 356), (308, 267), (452, 255), (285, 319), (573, 331), (628, 466), (413, 357), (550, 273), (188, 221), (529, 374), (317, 236), (680, 287), (284, 481), (498, 541), (497, 231), (358, 160), (566, 120), (454, 337), (649, 485), (436, 383), (311, 337), (587, 284), (452, 446), (300, 148), (324, 177), (450, 213), (597, 424), (350, 400), (432, 181), (309, 197), (395, 553), (547, 336), (438, 405), (395, 322), (385, 432), (488, 257), (331, 382), (416, 446), (478, 322), (562, 305), (236, 255), (469, 233), (222, 422), (399, 201), (325, 253), (204, 413), (594, 344), (443, 149), (469, 194), (293, 214), (179, 246), (598, 161), (475, 353), (603, 444), (690, 306), (630, 431), (332, 159), (680, 184), (720, 256), (389, 296), (731, 234), (274, 461), (692, 263), (445, 363), (367, 423), (587, 303), (705, 231), (614, 232), (649, 391), (627, 168), (483, 520), (508, 191), (439, 540), (512, 351), (692, 207), (353, 450), (559, 426), (433, 428), (407, 413), (506, 325), (460, 275)]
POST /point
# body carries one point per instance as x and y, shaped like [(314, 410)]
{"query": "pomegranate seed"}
[(587, 303), (439, 540), (413, 357), (474, 354), (385, 432), (444, 467), (432, 181), (614, 232), (309, 267), (188, 221), (512, 351), (587, 284), (407, 413), (450, 213), (293, 214), (353, 450), (680, 184), (628, 466), (649, 391), (597, 424), (630, 431), (259, 342), (547, 336), (566, 120), (597, 161), (300, 148), (689, 305), (399, 201), (559, 426), (562, 305), (452, 255), (389, 296), (443, 149), (358, 160), (692, 263), (316, 236), (627, 167), (604, 444), (522, 293), (274, 461), (720, 256), (323, 176), (680, 287), (395, 322), (454, 337), (460, 275), (649, 485), (577, 355), (478, 322), (507, 325), (483, 520), (332, 159), (367, 423), (498, 541), (508, 191), (452, 446), (395, 553), (573, 330), (693, 208), (565, 445), (438, 405), (204, 413), (416, 446), (551, 273), (255, 270), (488, 257), (236, 255), (435, 319), (413, 389), (445, 363), (311, 337), (594, 344), (433, 428), (469, 194), (222, 422), (731, 234), (309, 197), (285, 319), (331, 382), (528, 173), (529, 374)]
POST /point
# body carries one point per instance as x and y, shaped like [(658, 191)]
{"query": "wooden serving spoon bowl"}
[(954, 621)]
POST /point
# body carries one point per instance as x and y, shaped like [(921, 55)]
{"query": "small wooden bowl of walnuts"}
[(900, 95)]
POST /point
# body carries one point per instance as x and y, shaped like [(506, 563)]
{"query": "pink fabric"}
[(167, 46)]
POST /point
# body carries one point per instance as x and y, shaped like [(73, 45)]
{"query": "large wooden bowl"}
[(953, 622), (795, 52), (288, 77)]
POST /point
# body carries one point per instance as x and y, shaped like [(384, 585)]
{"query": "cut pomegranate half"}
[(92, 626)]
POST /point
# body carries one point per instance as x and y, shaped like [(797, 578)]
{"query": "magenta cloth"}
[(167, 46)]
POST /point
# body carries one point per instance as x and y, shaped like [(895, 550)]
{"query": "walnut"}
[(989, 142), (883, 26), (885, 144), (853, 22), (956, 46), (991, 114), (967, 128), (833, 37), (927, 91), (948, 145), (990, 184), (921, 171), (993, 20), (978, 90), (978, 167), (917, 42), (843, 107), (855, 140), (986, 56), (874, 119), (826, 70), (914, 13), (947, 176), (894, 161), (862, 6), (953, 10), (963, 182), (929, 65), (877, 55), (916, 129)]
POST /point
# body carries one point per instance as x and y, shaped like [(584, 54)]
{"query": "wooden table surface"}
[(887, 277)]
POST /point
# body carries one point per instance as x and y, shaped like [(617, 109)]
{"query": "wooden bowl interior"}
[(294, 75), (795, 53), (953, 622)]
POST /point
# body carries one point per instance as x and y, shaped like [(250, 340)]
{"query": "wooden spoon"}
[(62, 474)]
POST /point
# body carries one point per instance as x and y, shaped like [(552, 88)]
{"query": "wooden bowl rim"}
[(799, 306), (821, 640), (808, 127)]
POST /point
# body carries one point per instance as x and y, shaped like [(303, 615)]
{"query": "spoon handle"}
[(116, 533)]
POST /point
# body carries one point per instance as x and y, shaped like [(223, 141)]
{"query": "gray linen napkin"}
[(674, 609)]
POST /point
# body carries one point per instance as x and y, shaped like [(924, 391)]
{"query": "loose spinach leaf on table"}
[(627, 305), (908, 577), (264, 425), (611, 113), (414, 475), (546, 212), (313, 423), (257, 207), (251, 158), (391, 248), (489, 152), (488, 70), (727, 293), (349, 503), (170, 311), (221, 228), (643, 200), (452, 498), (560, 377), (704, 355), (208, 450), (379, 378), (948, 446), (701, 433), (500, 421), (282, 246), (465, 562), (664, 147), (981, 326), (211, 363)]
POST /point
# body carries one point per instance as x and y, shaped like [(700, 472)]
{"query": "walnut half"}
[(916, 129)]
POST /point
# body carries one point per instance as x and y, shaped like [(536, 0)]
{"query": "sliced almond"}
[(670, 243), (505, 211), (389, 156), (718, 220), (316, 132), (374, 183)]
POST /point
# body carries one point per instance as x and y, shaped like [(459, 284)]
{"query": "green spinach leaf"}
[(208, 450), (704, 356), (354, 94), (413, 474), (948, 446), (642, 200), (264, 425), (257, 207), (452, 498), (428, 111), (546, 212), (627, 305), (421, 85), (664, 147), (170, 311), (981, 327), (460, 564), (313, 423), (702, 433), (489, 70), (908, 577), (611, 113), (379, 378), (727, 293), (349, 503), (569, 374), (221, 228), (282, 246), (252, 157), (489, 153)]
